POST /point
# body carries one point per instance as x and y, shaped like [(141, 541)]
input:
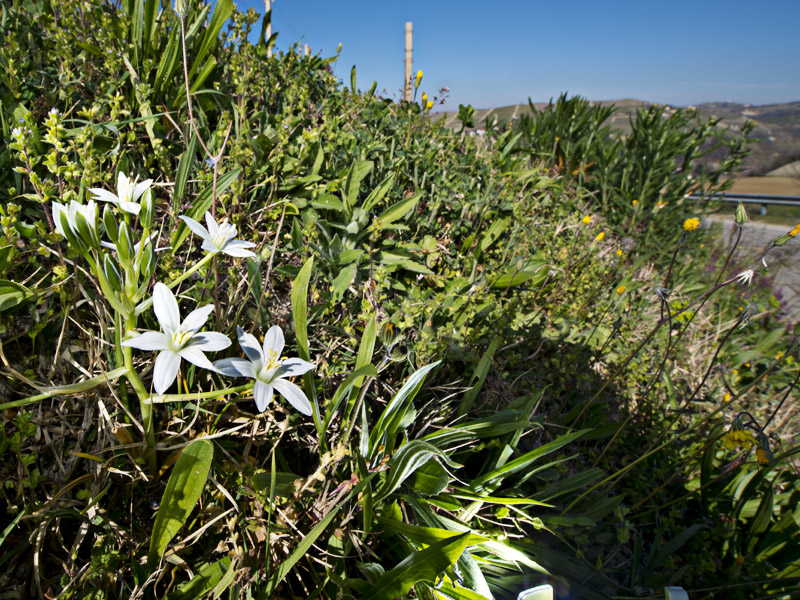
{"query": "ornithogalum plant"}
[(124, 265)]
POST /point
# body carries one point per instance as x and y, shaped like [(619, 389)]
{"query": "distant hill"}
[(777, 128)]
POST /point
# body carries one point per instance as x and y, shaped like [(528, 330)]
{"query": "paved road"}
[(784, 262)]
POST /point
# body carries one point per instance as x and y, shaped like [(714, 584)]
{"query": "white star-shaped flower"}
[(219, 238), (128, 193), (177, 339), (268, 369)]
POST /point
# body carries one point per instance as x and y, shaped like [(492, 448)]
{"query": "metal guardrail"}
[(763, 199)]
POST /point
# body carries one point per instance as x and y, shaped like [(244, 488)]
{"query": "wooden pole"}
[(268, 8), (407, 81)]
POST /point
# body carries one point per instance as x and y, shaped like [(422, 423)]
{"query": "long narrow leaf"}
[(397, 405), (425, 565), (183, 491)]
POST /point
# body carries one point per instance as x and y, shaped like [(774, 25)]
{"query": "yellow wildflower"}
[(424, 98), (418, 79), (779, 356), (635, 202), (691, 224), (429, 105), (620, 289), (726, 397), (738, 437), (761, 456), (599, 237), (339, 49), (619, 252), (794, 232), (586, 220)]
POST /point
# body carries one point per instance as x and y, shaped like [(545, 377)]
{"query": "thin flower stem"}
[(269, 268), (188, 97), (163, 398), (142, 393), (145, 304)]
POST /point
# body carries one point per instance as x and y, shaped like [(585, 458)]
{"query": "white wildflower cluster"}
[(124, 278)]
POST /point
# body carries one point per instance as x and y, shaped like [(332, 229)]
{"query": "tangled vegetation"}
[(515, 357)]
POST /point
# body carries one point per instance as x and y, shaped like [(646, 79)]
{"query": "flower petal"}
[(262, 393), (131, 207), (196, 227), (140, 189), (166, 308), (165, 370), (273, 341), (294, 395), (250, 345), (292, 367), (213, 228), (209, 341), (195, 356), (235, 248), (197, 318), (149, 340), (235, 367), (58, 209), (104, 195)]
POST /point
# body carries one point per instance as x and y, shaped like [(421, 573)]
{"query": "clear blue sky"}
[(497, 53)]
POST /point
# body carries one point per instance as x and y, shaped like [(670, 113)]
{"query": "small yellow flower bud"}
[(586, 220), (620, 289), (418, 79), (339, 49), (424, 99), (600, 237), (429, 105)]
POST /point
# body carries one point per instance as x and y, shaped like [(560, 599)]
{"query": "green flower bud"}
[(181, 7), (72, 238), (125, 245), (110, 223), (147, 212), (741, 215), (112, 273), (148, 261), (87, 231)]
